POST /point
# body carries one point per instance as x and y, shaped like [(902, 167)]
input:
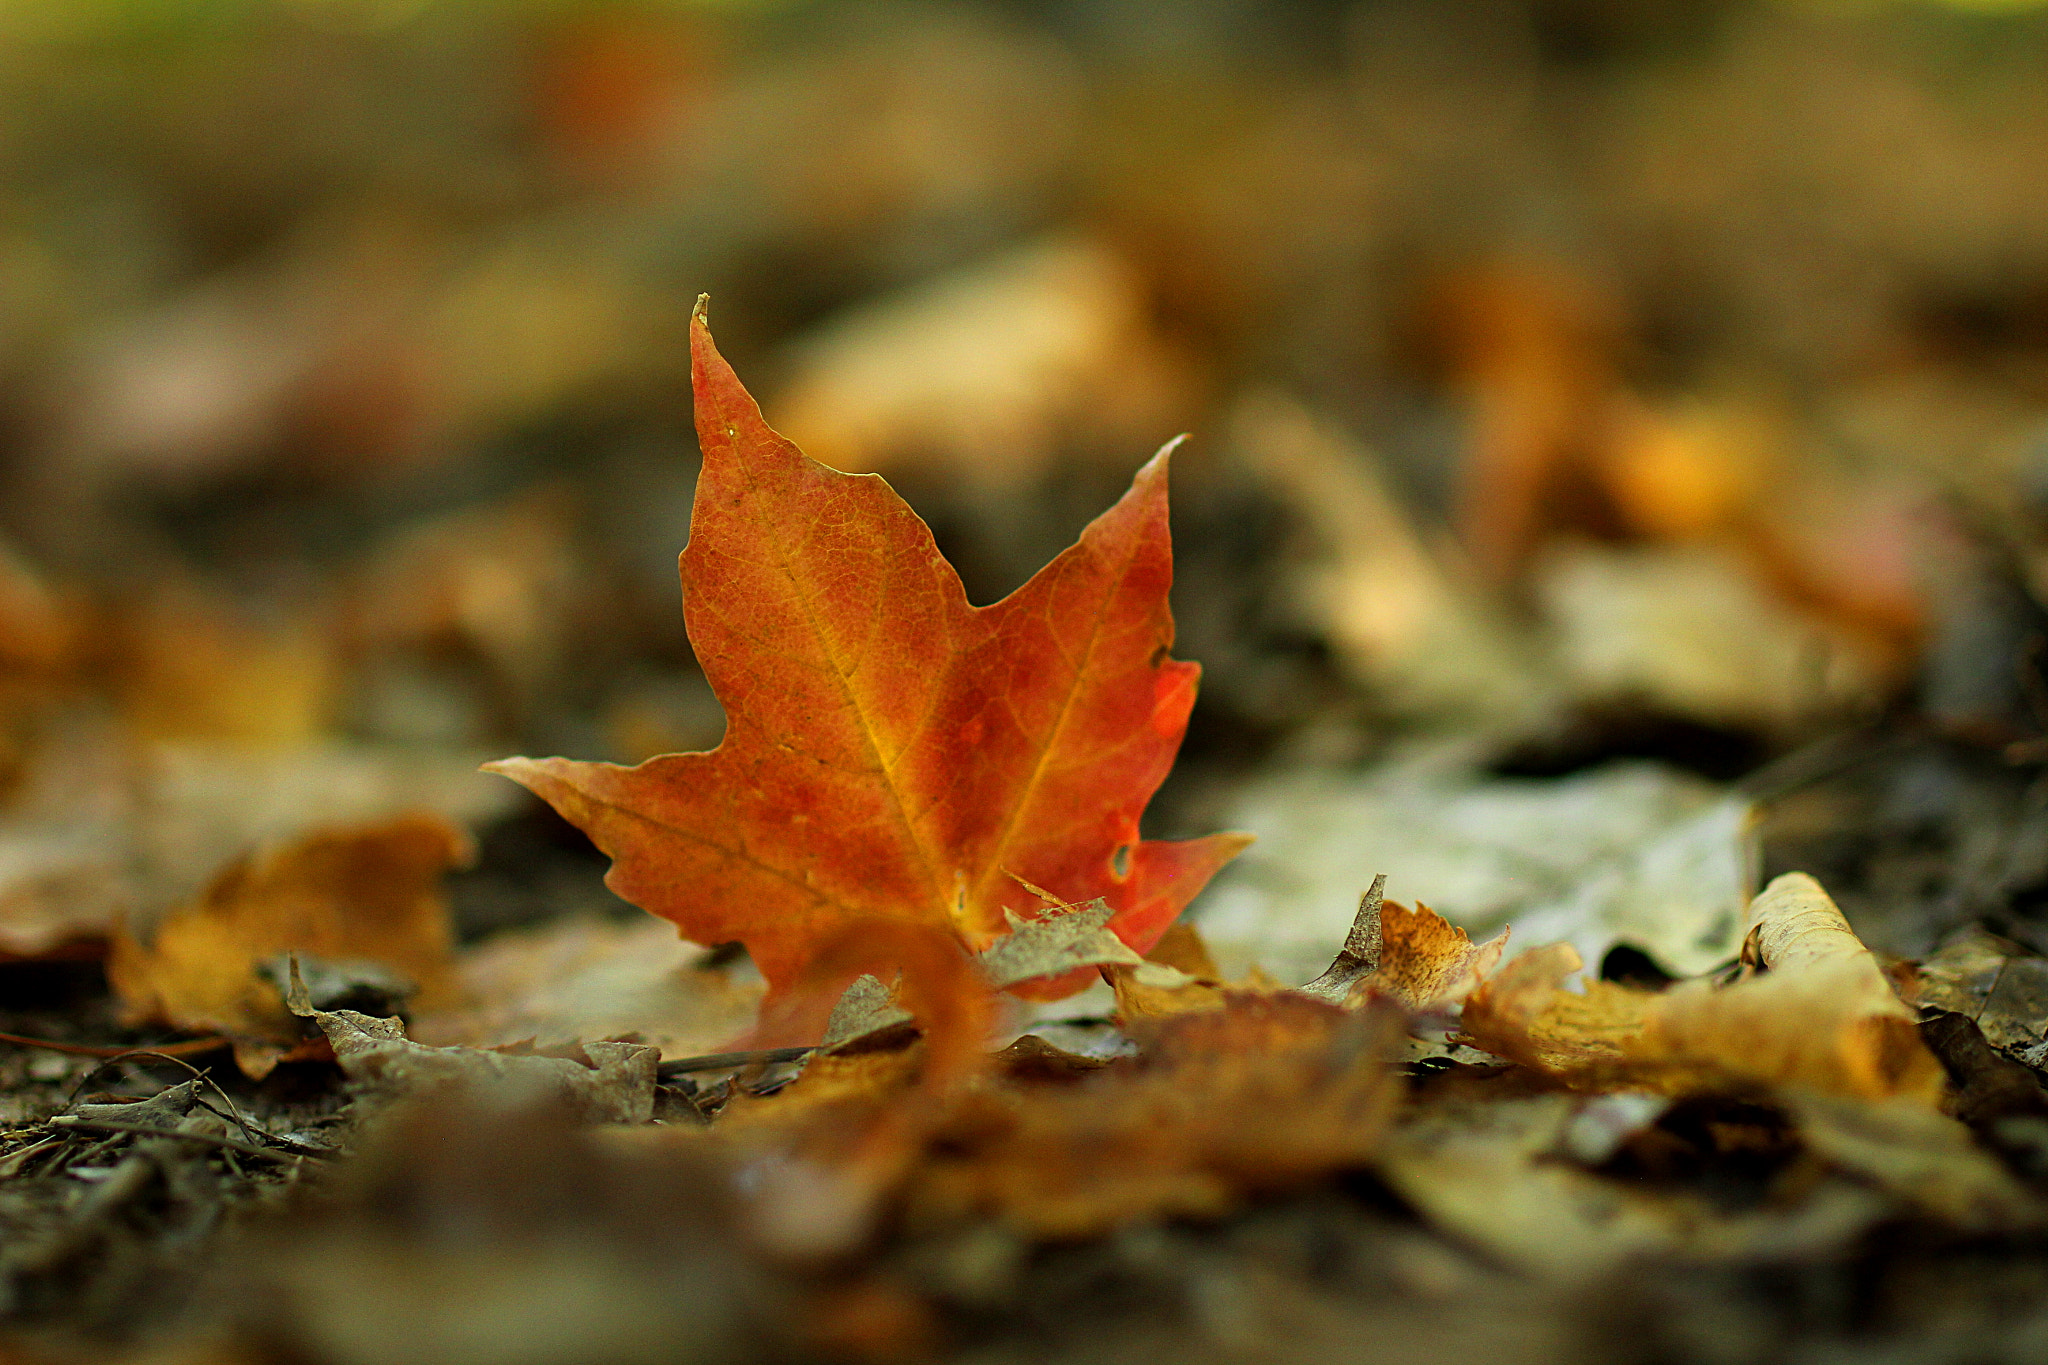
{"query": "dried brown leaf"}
[(366, 893), (1262, 1092), (1426, 962)]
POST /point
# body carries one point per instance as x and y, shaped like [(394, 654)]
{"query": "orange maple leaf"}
[(891, 752)]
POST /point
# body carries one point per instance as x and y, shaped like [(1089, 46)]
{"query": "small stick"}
[(145, 1130), (184, 1049), (730, 1061)]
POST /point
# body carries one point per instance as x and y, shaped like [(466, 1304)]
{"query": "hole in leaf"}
[(1120, 861)]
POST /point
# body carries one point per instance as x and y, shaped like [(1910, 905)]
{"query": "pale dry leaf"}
[(1360, 955), (1629, 853), (1692, 630), (582, 977), (1481, 1173), (61, 888), (1491, 1169)]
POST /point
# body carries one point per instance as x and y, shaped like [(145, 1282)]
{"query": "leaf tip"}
[(520, 770)]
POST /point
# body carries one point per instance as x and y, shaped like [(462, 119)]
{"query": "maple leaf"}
[(891, 752)]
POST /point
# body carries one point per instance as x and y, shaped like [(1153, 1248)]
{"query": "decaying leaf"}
[(352, 894), (1998, 985), (892, 753), (1054, 946), (867, 1009), (617, 1086), (611, 1082), (1259, 1094), (1821, 1016)]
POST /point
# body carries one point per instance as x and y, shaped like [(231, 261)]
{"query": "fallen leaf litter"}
[(1528, 1131)]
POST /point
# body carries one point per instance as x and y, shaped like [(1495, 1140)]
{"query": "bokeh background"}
[(1592, 378)]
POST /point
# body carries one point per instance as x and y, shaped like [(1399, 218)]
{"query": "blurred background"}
[(1588, 379)]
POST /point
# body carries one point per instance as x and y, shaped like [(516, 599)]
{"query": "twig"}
[(146, 1130), (728, 1061), (188, 1048), (87, 1078)]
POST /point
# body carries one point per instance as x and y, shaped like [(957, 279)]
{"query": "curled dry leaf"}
[(892, 753), (1794, 924), (1360, 955), (1426, 962), (1821, 1016), (350, 894), (1414, 957)]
